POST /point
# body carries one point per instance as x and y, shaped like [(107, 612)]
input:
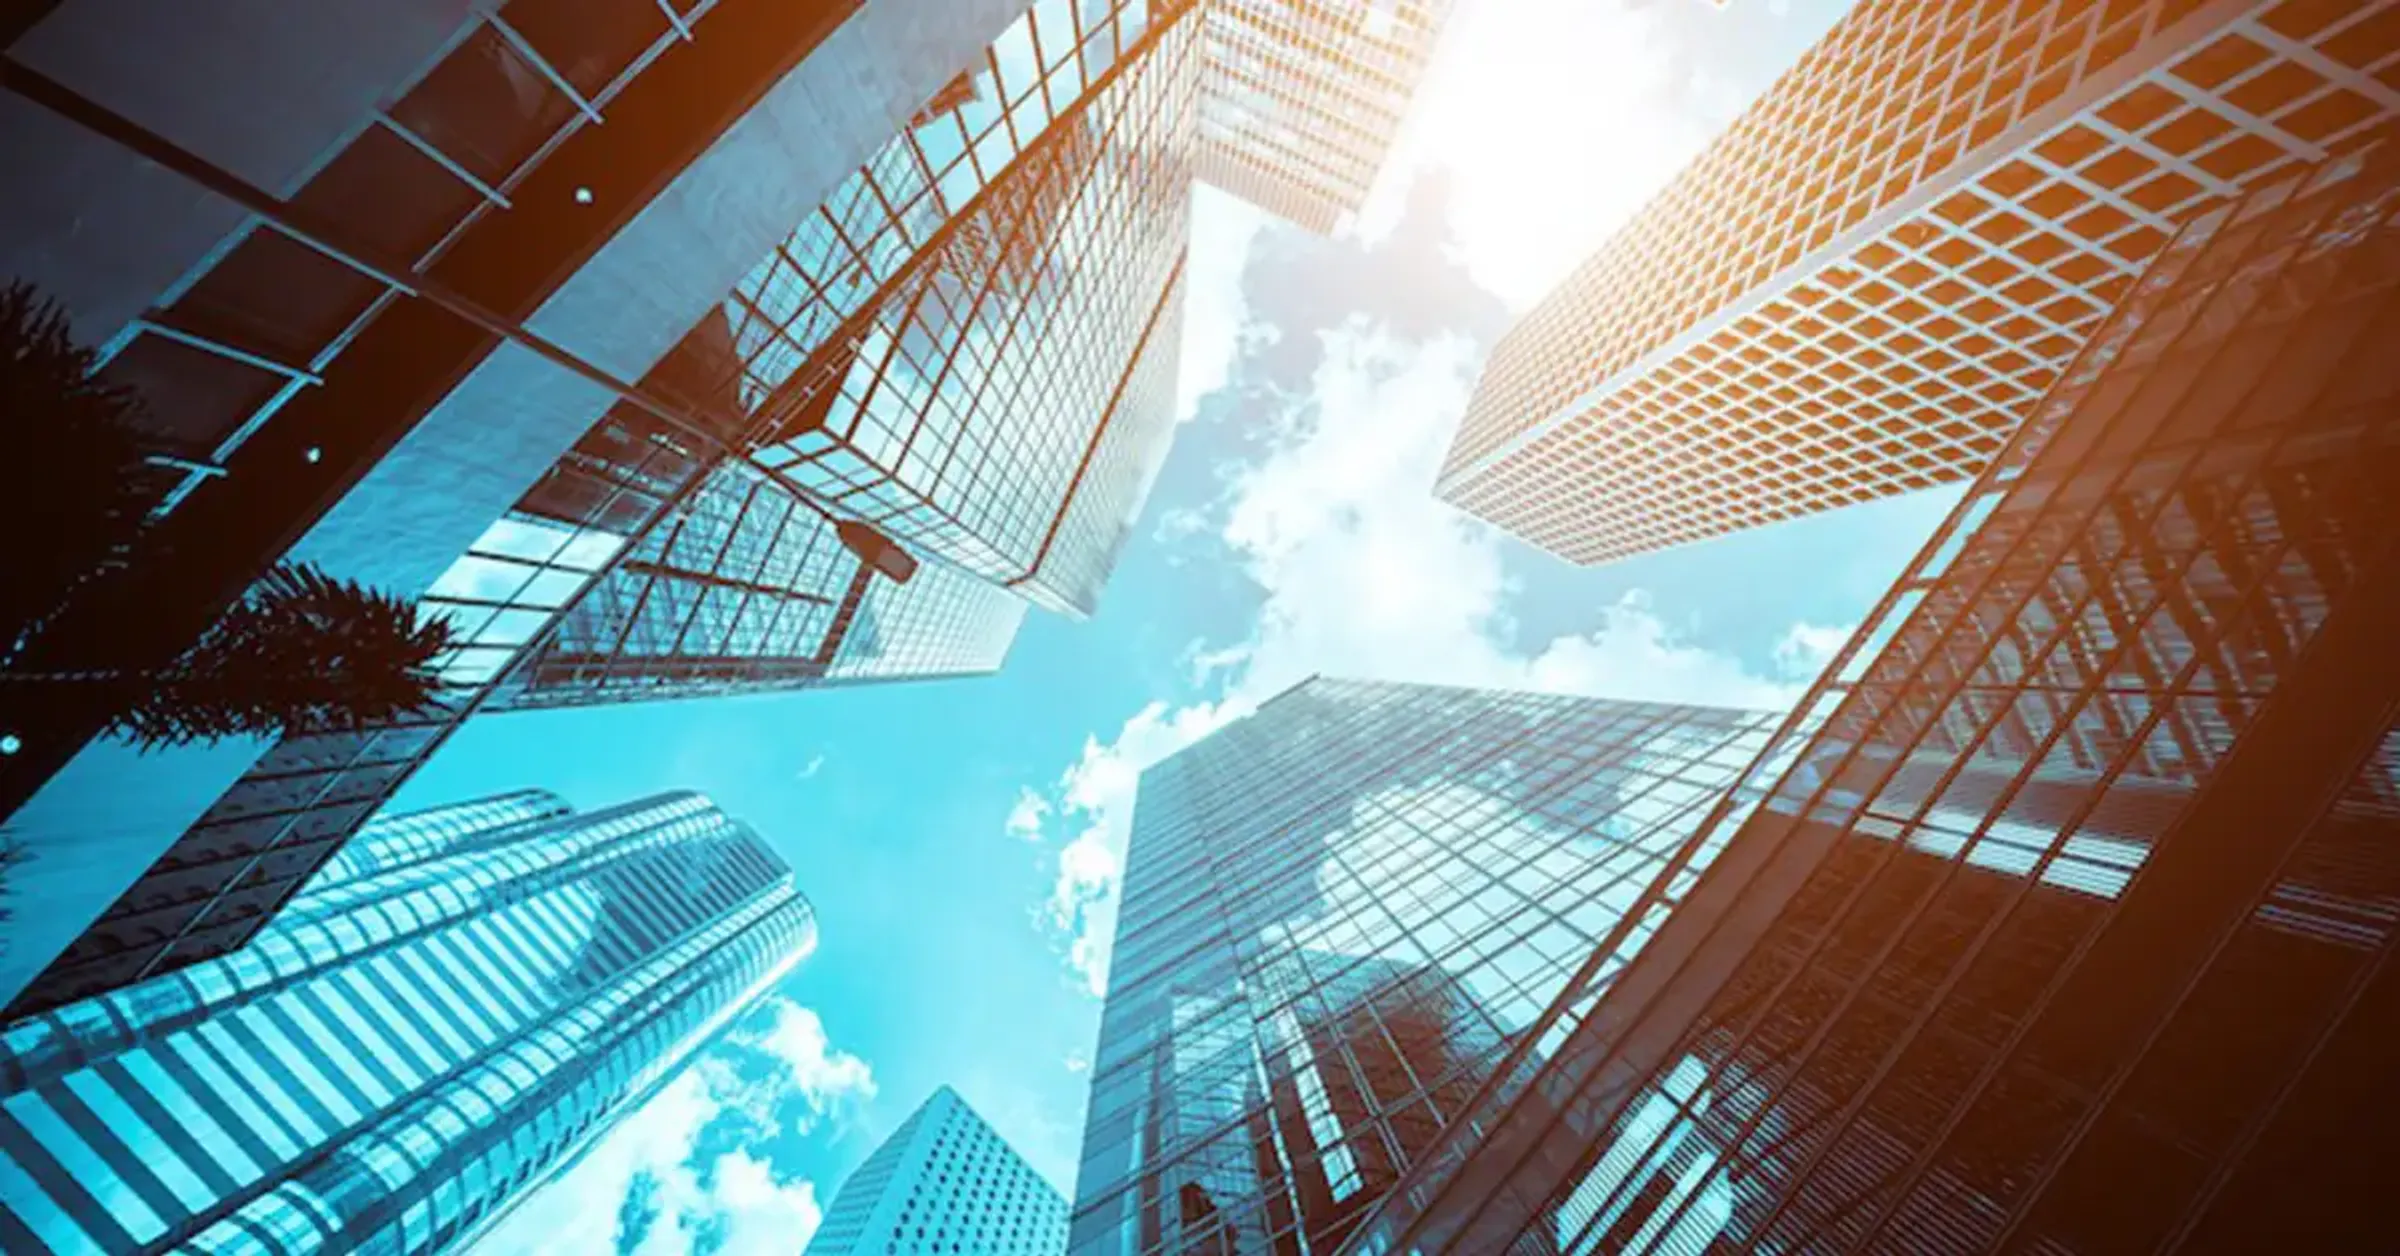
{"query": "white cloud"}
[(1098, 791), (764, 1215), (734, 1195), (1366, 574), (815, 764), (1025, 818), (1557, 119), (1205, 663), (1807, 648), (1213, 311), (823, 1075)]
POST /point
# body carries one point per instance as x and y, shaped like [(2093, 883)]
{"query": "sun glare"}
[(1556, 119)]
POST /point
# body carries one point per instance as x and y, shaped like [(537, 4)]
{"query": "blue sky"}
[(961, 840)]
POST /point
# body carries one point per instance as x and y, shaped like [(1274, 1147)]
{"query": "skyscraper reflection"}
[(1338, 914)]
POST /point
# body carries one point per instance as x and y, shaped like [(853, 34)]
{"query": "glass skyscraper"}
[(1869, 280), (2072, 929), (1303, 99), (1338, 915), (945, 347), (460, 1003), (943, 1182)]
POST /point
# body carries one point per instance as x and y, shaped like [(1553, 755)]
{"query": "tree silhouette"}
[(78, 500), (300, 652)]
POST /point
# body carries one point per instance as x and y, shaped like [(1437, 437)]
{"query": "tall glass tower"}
[(1868, 281), (945, 1181), (1338, 914), (2072, 929), (458, 1005)]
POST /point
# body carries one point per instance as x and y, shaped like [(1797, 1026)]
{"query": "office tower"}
[(944, 1182), (1303, 99), (949, 348), (1338, 912), (820, 375), (2072, 930), (461, 1003), (1865, 284)]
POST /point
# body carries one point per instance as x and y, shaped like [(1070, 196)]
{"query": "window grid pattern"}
[(1865, 284), (1975, 1011), (944, 1182), (836, 262), (1106, 498), (738, 580), (742, 589), (1337, 913), (941, 623), (420, 1040), (1302, 100), (266, 315), (959, 412)]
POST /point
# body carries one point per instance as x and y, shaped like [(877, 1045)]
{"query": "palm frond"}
[(304, 652)]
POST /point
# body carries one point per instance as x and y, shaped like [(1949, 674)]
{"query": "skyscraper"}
[(1865, 284), (943, 1182), (1338, 912), (1303, 99), (2072, 929), (462, 1001), (909, 301)]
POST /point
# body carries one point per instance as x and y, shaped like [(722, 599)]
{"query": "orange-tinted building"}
[(1863, 285)]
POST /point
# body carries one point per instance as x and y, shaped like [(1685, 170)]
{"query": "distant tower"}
[(944, 1182), (462, 1002)]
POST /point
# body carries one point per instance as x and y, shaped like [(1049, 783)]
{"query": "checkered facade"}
[(1303, 99), (1031, 236), (1864, 285), (944, 1182)]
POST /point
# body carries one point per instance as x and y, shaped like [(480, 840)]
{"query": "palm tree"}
[(80, 501), (302, 652)]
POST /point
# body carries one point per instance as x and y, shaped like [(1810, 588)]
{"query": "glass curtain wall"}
[(463, 1001), (1338, 914)]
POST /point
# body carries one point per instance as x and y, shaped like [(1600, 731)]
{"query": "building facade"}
[(1338, 913), (943, 1182), (480, 276), (463, 1001), (667, 465), (1303, 99), (2072, 929), (1866, 284)]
